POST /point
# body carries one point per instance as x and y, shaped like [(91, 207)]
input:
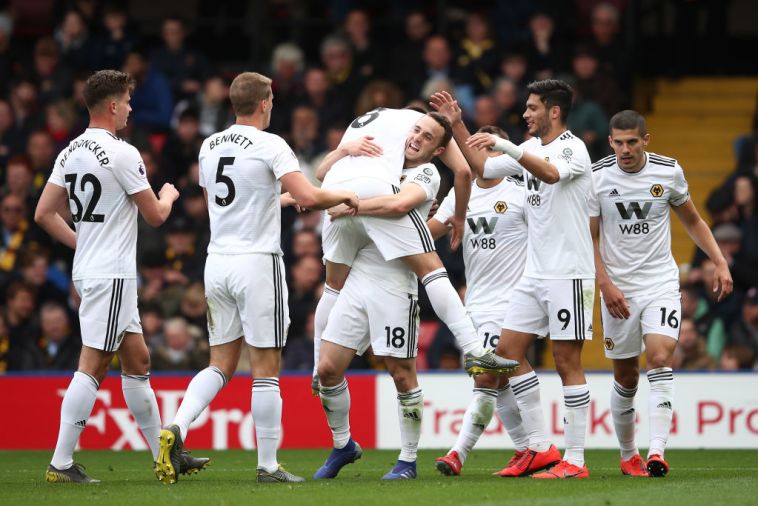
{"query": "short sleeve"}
[(129, 170), (501, 166), (679, 193), (56, 176), (447, 208), (428, 178), (283, 160), (592, 200), (571, 164)]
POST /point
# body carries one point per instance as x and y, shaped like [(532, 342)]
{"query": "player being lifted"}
[(242, 170), (555, 295), (494, 252), (633, 191), (101, 180), (406, 236), (379, 306)]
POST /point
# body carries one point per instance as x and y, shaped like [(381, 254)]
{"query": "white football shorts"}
[(247, 296), (488, 326), (656, 314), (561, 308), (107, 311), (367, 314)]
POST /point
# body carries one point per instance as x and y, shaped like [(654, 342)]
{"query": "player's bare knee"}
[(487, 381), (659, 358), (626, 372), (328, 373)]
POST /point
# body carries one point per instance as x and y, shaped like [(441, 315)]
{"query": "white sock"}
[(475, 420), (320, 318), (410, 408), (75, 410), (267, 418), (507, 411), (336, 403), (526, 389), (577, 403), (623, 413), (140, 399), (449, 308), (661, 408), (201, 391)]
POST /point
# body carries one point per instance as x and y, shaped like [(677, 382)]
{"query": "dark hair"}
[(104, 84), (496, 130), (552, 93), (445, 124), (20, 286), (628, 120)]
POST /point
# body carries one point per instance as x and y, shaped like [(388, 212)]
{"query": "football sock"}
[(267, 418), (475, 420), (410, 408), (623, 413), (507, 411), (200, 392), (336, 403), (449, 308), (76, 407), (526, 389), (577, 402), (140, 399), (320, 318), (661, 408)]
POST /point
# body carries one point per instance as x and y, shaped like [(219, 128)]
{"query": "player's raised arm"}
[(444, 103), (51, 203), (311, 197), (156, 210), (541, 169), (363, 146), (698, 230)]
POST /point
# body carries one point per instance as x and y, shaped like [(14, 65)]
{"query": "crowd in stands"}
[(484, 57)]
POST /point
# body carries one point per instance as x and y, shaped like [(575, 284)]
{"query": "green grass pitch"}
[(709, 477)]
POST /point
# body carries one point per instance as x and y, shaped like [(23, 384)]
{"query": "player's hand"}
[(287, 200), (456, 231), (481, 141), (615, 301), (444, 103), (363, 146), (722, 284), (352, 200), (168, 192), (339, 211), (433, 209)]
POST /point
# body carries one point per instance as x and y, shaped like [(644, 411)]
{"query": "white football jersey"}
[(635, 224), (240, 169), (395, 274), (100, 171), (390, 129), (494, 242), (559, 246)]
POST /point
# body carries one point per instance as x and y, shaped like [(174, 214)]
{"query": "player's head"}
[(428, 138), (548, 106), (250, 94), (628, 139), (107, 94), (494, 130)]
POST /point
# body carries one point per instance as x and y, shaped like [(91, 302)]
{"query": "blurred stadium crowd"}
[(181, 97)]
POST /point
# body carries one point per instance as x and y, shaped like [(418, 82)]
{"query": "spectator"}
[(486, 111), (691, 350), (24, 99), (73, 40), (744, 332), (614, 58), (181, 149), (590, 123), (407, 56), (183, 350), (305, 276), (194, 307), (151, 317), (737, 358), (195, 208), (593, 85), (7, 56), (15, 231), (115, 43), (506, 97), (378, 93), (61, 123), (54, 80), (183, 261), (60, 345), (152, 101), (437, 65), (23, 330), (515, 66), (5, 346), (34, 264), (729, 239), (214, 111), (745, 199), (304, 137), (368, 58), (287, 64), (186, 69), (337, 58), (476, 54), (298, 354), (305, 243), (41, 152), (330, 105), (12, 138), (712, 316), (547, 53), (19, 181)]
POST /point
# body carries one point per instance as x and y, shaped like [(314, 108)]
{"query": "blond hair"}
[(247, 91)]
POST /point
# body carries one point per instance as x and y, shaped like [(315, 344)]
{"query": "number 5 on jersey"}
[(223, 162)]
